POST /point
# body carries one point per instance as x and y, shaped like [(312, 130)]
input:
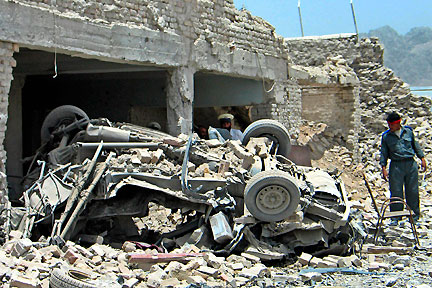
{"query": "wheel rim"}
[(273, 199)]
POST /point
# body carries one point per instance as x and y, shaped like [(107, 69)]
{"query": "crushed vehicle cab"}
[(91, 177)]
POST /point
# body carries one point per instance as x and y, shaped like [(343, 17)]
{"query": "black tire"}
[(271, 129), (65, 114), (272, 195), (69, 279)]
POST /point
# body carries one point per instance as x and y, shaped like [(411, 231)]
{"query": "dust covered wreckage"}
[(91, 177)]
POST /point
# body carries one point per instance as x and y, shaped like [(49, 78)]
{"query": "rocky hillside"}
[(409, 55)]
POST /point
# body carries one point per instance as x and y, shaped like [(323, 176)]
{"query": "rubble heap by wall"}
[(380, 90)]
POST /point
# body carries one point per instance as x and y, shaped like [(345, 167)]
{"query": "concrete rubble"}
[(297, 251)]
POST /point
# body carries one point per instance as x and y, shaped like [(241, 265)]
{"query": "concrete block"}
[(97, 249), (214, 261), (51, 251), (326, 264), (238, 150), (314, 262), (15, 234), (314, 276), (258, 270), (355, 260), (344, 262), (304, 258), (21, 282), (196, 280), (236, 266), (21, 247), (170, 283), (130, 283), (250, 257), (208, 270), (156, 156), (155, 278)]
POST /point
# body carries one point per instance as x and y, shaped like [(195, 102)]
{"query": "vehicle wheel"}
[(273, 130), (272, 195), (69, 279), (62, 115)]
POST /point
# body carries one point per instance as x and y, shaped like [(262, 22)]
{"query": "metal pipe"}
[(119, 145), (301, 22), (354, 18)]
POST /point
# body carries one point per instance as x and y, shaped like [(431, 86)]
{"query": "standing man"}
[(398, 144), (225, 121)]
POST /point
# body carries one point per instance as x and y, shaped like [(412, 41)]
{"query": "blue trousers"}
[(404, 174)]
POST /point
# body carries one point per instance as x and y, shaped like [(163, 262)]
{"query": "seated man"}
[(225, 121)]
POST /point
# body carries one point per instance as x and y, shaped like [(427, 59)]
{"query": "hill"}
[(409, 55)]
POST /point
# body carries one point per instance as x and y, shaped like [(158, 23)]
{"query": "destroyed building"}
[(179, 63), (159, 61)]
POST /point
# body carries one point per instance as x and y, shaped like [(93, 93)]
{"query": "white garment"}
[(236, 134)]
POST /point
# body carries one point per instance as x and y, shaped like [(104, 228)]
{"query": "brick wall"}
[(216, 21)]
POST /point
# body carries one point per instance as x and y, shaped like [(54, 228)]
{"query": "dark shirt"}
[(399, 148)]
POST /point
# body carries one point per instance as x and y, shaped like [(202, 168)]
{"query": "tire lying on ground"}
[(271, 129), (272, 195), (62, 278), (62, 115)]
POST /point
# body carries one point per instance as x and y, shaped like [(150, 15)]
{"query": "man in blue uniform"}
[(399, 144)]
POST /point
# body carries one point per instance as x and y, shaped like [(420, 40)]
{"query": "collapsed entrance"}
[(117, 91)]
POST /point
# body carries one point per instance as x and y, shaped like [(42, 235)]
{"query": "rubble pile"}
[(24, 263), (227, 199)]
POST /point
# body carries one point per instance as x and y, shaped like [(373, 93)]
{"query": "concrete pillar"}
[(180, 95), (6, 64), (14, 138)]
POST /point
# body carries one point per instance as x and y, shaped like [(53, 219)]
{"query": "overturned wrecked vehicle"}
[(91, 178)]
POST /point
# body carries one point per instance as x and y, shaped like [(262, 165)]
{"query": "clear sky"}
[(322, 17)]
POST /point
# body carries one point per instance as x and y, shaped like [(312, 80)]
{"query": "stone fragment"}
[(304, 258), (129, 247), (258, 270), (196, 280), (355, 260), (130, 283), (214, 261), (236, 266), (250, 257), (15, 234), (21, 247), (22, 282), (156, 276), (314, 276), (405, 260), (208, 270), (51, 251), (238, 150), (170, 283), (390, 282), (344, 262), (156, 155), (144, 155), (97, 249), (71, 256)]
